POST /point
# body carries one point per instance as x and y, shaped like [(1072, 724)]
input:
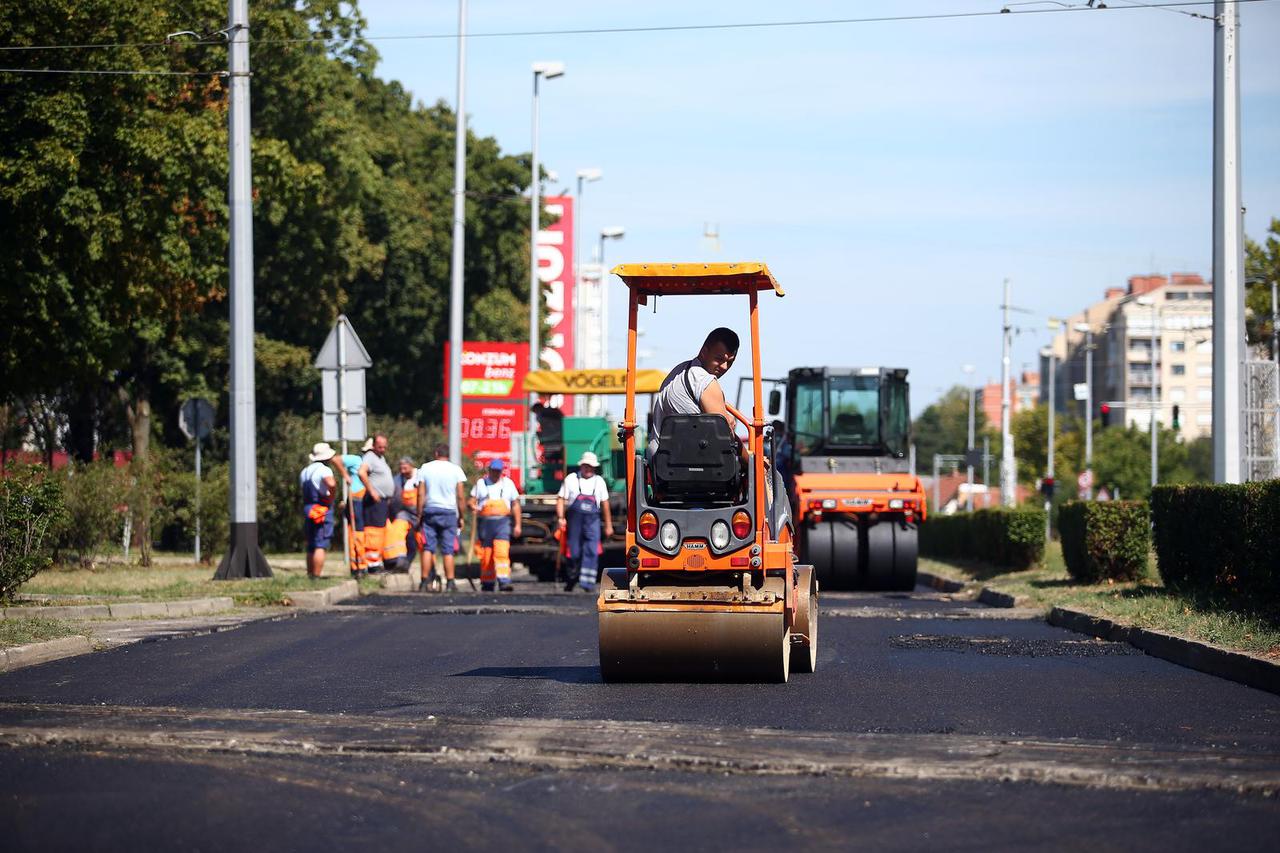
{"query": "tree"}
[(1030, 429), (943, 427), (1262, 261)]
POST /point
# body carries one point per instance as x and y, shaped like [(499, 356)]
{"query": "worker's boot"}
[(450, 586)]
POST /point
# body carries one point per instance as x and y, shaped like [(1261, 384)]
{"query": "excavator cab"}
[(711, 589), (857, 502)]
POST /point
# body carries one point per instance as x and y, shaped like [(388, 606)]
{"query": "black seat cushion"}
[(697, 456)]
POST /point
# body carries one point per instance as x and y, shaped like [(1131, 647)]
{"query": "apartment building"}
[(1169, 317)]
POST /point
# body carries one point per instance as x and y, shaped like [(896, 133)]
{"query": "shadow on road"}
[(562, 674)]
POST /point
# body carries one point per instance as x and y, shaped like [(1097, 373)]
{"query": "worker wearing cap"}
[(583, 499), (496, 503), (398, 546), (354, 515), (318, 485)]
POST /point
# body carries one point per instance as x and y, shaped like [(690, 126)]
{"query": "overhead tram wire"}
[(1177, 7)]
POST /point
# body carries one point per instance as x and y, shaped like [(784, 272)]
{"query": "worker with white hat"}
[(318, 485), (583, 498)]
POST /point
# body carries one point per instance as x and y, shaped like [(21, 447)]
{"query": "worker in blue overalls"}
[(582, 502)]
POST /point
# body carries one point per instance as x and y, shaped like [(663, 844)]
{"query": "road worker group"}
[(423, 511)]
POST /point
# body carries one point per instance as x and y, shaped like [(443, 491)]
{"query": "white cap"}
[(368, 445), (589, 458), (322, 452)]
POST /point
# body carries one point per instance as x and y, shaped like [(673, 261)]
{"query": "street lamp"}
[(548, 70), (968, 370), (1048, 353), (1087, 330), (584, 176), (611, 232), (1155, 327)]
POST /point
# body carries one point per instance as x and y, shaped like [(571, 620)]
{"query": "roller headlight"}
[(669, 535), (719, 535)]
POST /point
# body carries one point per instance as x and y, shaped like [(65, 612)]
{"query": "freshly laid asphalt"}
[(931, 669)]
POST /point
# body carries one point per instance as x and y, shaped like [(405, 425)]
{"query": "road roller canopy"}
[(697, 279), (591, 381)]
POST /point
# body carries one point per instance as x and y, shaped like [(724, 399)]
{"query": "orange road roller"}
[(711, 589)]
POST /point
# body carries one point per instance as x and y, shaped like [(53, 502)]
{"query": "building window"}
[(1177, 346), (1204, 370), (1204, 395), (1178, 369), (1177, 395)]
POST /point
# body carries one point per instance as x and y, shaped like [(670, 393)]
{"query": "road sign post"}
[(342, 362), (195, 419)]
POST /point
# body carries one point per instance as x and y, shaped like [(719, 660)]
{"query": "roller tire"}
[(804, 656), (880, 556), (832, 548), (905, 556)]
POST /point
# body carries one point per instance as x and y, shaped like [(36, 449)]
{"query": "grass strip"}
[(19, 632), (1228, 621)]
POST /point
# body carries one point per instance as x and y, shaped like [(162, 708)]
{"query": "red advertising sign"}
[(555, 271), (494, 404)]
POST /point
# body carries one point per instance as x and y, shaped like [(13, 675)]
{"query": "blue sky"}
[(891, 174)]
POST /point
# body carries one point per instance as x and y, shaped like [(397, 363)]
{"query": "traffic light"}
[(1177, 423), (1046, 488), (1105, 411)]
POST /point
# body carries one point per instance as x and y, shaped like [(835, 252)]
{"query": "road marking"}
[(611, 745)]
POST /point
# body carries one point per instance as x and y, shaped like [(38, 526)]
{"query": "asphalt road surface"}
[(409, 721)]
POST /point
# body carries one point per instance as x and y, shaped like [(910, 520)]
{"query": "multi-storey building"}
[(1171, 316)]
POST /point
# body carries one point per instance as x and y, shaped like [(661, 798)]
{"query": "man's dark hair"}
[(728, 337), (442, 451)]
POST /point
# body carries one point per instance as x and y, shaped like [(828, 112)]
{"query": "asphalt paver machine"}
[(712, 589)]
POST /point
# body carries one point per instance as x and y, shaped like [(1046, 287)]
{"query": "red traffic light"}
[(1106, 409)]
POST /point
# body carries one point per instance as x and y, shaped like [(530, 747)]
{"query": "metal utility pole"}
[(244, 558), (968, 369), (540, 70), (1008, 474), (1088, 411), (1053, 386), (1155, 399), (986, 473), (1228, 250), (584, 176), (456, 288)]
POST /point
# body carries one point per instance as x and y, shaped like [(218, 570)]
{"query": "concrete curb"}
[(938, 582), (398, 582), (1193, 654), (317, 599), (16, 657), (123, 609)]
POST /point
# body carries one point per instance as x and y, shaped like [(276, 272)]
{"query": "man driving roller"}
[(691, 388)]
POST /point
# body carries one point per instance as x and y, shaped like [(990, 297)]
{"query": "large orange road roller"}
[(857, 503), (711, 589)]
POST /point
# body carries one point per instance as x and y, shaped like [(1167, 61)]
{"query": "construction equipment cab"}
[(711, 588), (857, 501)]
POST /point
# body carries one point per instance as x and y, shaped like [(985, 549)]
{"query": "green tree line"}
[(114, 251)]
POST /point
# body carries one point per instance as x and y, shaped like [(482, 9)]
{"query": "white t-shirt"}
[(574, 485), (440, 478), (503, 490), (316, 473), (673, 397)]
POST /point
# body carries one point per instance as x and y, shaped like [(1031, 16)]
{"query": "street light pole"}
[(244, 558), (540, 70), (1088, 406), (456, 288), (1155, 399), (1008, 476), (1053, 383), (968, 369), (1228, 249)]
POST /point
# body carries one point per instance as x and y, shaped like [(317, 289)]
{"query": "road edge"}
[(1204, 657), (30, 654), (318, 599)]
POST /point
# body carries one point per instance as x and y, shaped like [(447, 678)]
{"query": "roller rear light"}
[(741, 524), (648, 525)]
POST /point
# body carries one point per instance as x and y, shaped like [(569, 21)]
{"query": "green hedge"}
[(1105, 539), (1009, 538), (1219, 537)]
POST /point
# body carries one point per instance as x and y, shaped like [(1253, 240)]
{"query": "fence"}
[(1262, 420)]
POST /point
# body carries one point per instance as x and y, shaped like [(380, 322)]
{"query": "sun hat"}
[(322, 452), (589, 458), (367, 446)]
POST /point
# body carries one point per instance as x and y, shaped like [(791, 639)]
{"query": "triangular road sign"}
[(355, 356)]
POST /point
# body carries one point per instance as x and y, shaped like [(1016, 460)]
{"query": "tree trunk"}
[(138, 414), (82, 421)]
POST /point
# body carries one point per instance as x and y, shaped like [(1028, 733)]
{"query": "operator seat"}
[(696, 461)]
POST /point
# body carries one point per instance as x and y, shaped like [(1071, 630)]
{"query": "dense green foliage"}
[(1262, 263), (1219, 537), (943, 427), (113, 255), (1105, 539), (31, 509), (1009, 538)]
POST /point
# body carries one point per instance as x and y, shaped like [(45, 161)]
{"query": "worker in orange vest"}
[(397, 550), (496, 504)]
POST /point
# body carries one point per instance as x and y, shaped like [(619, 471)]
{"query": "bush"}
[(95, 498), (1219, 537), (31, 508), (1008, 538), (1105, 539)]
